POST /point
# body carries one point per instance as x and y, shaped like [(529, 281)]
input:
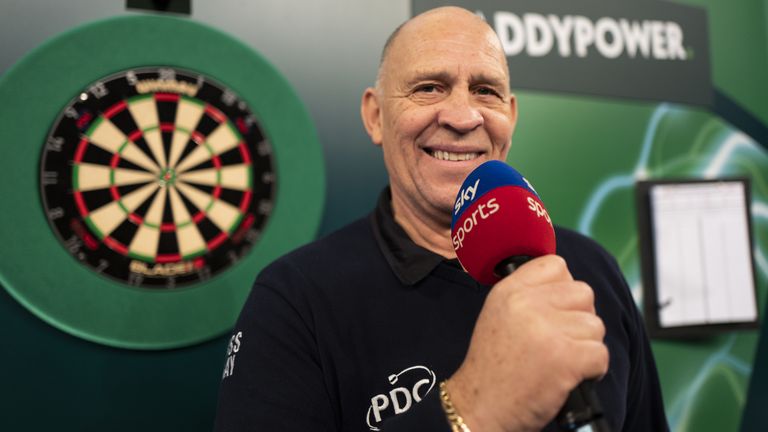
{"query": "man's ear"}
[(370, 111), (513, 122), (513, 110)]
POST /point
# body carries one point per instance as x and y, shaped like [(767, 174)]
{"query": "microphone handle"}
[(582, 409)]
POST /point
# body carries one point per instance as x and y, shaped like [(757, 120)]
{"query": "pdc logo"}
[(409, 387)]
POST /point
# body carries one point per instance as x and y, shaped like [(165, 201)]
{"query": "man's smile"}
[(446, 155), (449, 156)]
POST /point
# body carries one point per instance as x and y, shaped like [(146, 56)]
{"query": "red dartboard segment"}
[(90, 242), (115, 161), (168, 258), (116, 245), (216, 114), (198, 138), (110, 112), (81, 204), (80, 150), (244, 226), (245, 201), (166, 97), (115, 193), (197, 218), (216, 242), (133, 136), (244, 153)]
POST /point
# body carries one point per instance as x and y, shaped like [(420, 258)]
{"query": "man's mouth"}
[(450, 156)]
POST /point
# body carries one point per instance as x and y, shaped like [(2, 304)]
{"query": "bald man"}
[(377, 327)]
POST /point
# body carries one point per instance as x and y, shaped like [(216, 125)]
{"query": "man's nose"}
[(459, 114)]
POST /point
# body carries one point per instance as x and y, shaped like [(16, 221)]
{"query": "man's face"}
[(442, 108)]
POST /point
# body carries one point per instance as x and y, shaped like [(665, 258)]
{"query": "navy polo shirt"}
[(354, 332)]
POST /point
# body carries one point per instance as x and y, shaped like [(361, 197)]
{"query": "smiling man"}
[(441, 107), (377, 327)]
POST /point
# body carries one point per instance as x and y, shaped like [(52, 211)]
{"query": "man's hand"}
[(537, 337)]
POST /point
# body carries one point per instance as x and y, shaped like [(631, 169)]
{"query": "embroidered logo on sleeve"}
[(232, 349), (409, 387)]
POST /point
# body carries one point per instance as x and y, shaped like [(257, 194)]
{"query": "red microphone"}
[(499, 223)]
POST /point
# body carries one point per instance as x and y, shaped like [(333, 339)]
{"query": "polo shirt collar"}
[(410, 262)]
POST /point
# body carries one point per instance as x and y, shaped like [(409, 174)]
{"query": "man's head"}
[(441, 107)]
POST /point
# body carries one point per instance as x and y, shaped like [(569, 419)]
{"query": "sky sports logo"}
[(540, 35), (485, 210), (466, 195)]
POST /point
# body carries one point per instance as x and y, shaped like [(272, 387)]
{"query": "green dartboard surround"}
[(35, 267)]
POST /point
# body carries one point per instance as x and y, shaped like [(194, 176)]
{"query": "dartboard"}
[(157, 177), (152, 167)]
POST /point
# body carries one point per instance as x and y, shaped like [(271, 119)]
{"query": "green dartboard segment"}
[(152, 167)]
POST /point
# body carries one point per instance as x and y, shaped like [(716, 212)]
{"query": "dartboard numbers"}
[(157, 177)]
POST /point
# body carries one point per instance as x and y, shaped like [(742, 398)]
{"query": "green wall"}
[(583, 155)]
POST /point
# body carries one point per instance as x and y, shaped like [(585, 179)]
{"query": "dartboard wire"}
[(242, 204), (88, 176), (190, 240), (126, 177), (144, 244), (143, 110), (125, 148), (223, 215), (226, 217), (103, 220), (235, 176), (169, 227), (223, 138), (103, 133), (184, 232), (189, 112)]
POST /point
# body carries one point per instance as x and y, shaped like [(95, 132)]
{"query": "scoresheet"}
[(703, 255)]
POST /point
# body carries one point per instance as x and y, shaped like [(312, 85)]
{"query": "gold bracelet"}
[(454, 419)]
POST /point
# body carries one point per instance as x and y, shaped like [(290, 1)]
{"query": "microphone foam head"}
[(498, 215)]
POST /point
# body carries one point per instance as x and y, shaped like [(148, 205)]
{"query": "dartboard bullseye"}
[(157, 177)]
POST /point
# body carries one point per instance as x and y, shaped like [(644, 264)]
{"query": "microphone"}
[(499, 223)]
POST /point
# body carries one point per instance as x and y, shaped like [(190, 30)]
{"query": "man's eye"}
[(485, 91), (428, 88)]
